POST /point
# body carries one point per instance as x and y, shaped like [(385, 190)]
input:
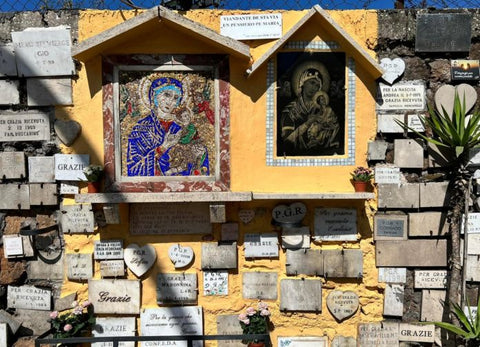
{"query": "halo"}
[(324, 93), (310, 64), (143, 89)]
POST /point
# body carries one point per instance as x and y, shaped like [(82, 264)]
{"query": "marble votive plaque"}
[(24, 126), (430, 279), (229, 232), (390, 226), (219, 256), (77, 218), (12, 246), (392, 274), (342, 304), (79, 266), (387, 175), (416, 332), (41, 169), (114, 326), (215, 282), (263, 245), (177, 288), (68, 188), (43, 194), (8, 66), (344, 341), (69, 167), (304, 262), (401, 96), (382, 334), (114, 296), (18, 197), (393, 300), (10, 93), (295, 238), (335, 224), (108, 249), (347, 263), (432, 305), (301, 295), (259, 285), (12, 165), (112, 268), (59, 91), (29, 298), (228, 325)]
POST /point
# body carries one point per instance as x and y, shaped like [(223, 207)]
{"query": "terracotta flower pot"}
[(93, 187), (360, 186), (256, 344)]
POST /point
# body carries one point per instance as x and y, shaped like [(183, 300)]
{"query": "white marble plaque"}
[(252, 26), (295, 238), (69, 167), (473, 268), (289, 214), (177, 288), (172, 321), (470, 310), (79, 266), (59, 91), (18, 197), (432, 305), (43, 194), (393, 69), (43, 51), (3, 334), (167, 219), (69, 188), (393, 300), (111, 213), (219, 256), (344, 341), (386, 123), (390, 226), (114, 326), (382, 334), (301, 295), (335, 224), (387, 175), (261, 245), (392, 274), (139, 259), (473, 245), (41, 169), (8, 66), (228, 325), (342, 304), (77, 218), (114, 296), (12, 164), (473, 226), (180, 256), (24, 126), (215, 283), (29, 298), (303, 341), (12, 246), (112, 268), (431, 279), (108, 249), (416, 332), (10, 94), (401, 96), (260, 285)]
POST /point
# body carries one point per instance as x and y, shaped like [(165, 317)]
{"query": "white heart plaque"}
[(289, 214), (180, 256), (139, 259), (445, 97), (342, 304), (246, 216), (67, 131), (393, 69)]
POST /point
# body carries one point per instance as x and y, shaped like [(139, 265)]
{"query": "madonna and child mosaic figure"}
[(176, 137)]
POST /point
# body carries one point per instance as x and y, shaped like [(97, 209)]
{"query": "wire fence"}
[(44, 5)]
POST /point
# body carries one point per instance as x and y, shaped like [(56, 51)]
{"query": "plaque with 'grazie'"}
[(390, 227)]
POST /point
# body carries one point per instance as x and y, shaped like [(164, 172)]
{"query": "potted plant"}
[(255, 321), (94, 174), (361, 177), (75, 322)]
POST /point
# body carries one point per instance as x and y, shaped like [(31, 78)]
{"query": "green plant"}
[(362, 174), (255, 321), (79, 319), (93, 173)]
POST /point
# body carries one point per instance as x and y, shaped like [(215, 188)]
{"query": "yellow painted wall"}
[(248, 173)]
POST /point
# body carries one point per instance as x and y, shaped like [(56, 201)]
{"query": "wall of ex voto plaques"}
[(329, 265)]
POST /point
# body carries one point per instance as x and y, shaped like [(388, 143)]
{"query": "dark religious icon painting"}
[(310, 104)]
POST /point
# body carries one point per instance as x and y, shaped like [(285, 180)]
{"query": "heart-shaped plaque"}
[(67, 131), (445, 97), (292, 214), (393, 69), (342, 304), (180, 256), (246, 216), (139, 259)]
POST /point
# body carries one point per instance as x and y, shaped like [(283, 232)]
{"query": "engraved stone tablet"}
[(387, 123), (10, 94), (446, 32), (393, 69), (384, 334), (401, 96), (344, 341), (114, 296), (43, 51), (411, 253), (29, 298), (79, 266), (432, 305), (346, 263), (180, 256), (69, 167), (335, 224), (43, 194), (252, 26), (260, 285), (111, 213), (167, 219), (41, 169), (218, 213), (473, 226), (301, 295), (228, 325), (12, 164), (24, 126), (392, 274), (219, 256), (112, 268), (294, 238), (114, 326), (472, 269), (108, 249), (230, 232), (342, 304), (303, 341), (393, 300), (388, 175), (473, 247), (139, 259), (291, 214), (8, 66), (172, 321), (18, 197), (304, 262), (417, 332), (261, 245), (215, 283), (177, 288), (390, 227), (12, 246), (427, 224), (430, 279), (68, 188), (77, 218), (3, 334), (59, 91)]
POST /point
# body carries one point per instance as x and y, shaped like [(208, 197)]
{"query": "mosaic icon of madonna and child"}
[(173, 134)]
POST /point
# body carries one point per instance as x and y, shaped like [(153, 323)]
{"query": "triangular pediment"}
[(327, 23), (132, 28)]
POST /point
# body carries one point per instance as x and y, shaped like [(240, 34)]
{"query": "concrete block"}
[(408, 153)]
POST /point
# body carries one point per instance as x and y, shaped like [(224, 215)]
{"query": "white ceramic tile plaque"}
[(12, 165), (108, 249), (10, 94), (29, 298), (401, 96), (8, 67), (335, 224), (303, 341), (215, 283), (431, 279), (390, 226), (382, 334), (77, 218), (177, 288), (387, 175), (69, 167), (24, 126), (416, 332), (41, 169), (114, 296), (69, 188), (261, 245), (387, 123), (12, 246), (18, 197), (43, 194), (112, 268), (43, 51), (252, 26), (167, 219), (114, 326), (295, 238), (393, 300), (79, 266), (59, 91), (392, 274), (172, 321), (260, 285)]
